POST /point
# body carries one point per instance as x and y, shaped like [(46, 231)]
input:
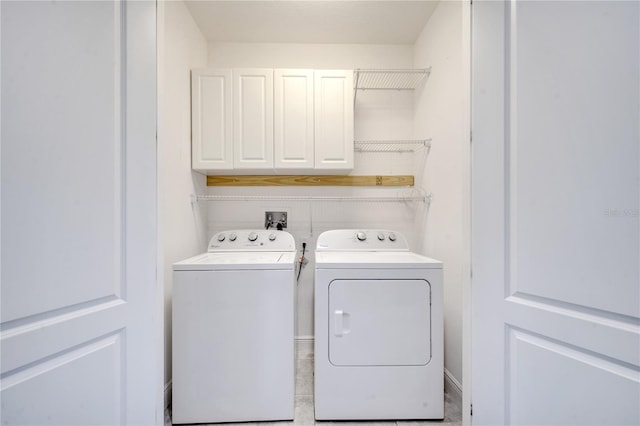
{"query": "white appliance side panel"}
[(233, 346), (379, 322)]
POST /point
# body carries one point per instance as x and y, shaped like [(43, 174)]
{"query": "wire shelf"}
[(399, 79), (416, 197), (392, 145)]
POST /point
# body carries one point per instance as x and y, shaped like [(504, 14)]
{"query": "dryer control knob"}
[(221, 237), (392, 237), (381, 236), (272, 237), (253, 236), (361, 236), (232, 237)]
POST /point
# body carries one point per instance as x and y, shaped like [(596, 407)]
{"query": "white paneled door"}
[(555, 225), (80, 319)]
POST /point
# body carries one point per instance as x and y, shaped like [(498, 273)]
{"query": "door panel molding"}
[(32, 342), (102, 393), (581, 311), (39, 280), (537, 135), (613, 339), (9, 328), (33, 369), (525, 404)]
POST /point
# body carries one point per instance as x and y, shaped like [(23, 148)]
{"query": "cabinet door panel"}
[(253, 118), (334, 119), (293, 119), (212, 143)]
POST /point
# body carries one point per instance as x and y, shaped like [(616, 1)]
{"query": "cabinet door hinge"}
[(471, 410)]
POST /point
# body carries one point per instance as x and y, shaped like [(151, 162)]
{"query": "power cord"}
[(302, 260)]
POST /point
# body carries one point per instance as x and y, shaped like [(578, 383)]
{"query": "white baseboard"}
[(453, 387), (304, 347), (167, 394)]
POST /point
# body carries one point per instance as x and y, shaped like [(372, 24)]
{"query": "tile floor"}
[(304, 406)]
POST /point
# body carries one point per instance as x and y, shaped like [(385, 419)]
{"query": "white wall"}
[(292, 55), (182, 225), (440, 114)]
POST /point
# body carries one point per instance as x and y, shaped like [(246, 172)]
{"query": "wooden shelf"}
[(310, 180)]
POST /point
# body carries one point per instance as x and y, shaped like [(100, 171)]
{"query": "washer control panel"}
[(362, 240), (252, 240)]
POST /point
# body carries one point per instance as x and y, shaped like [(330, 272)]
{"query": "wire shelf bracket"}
[(388, 79), (392, 145), (416, 197)]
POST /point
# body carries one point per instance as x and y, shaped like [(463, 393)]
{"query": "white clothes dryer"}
[(233, 330), (378, 328)]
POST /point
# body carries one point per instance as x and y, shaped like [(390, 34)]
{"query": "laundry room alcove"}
[(408, 127)]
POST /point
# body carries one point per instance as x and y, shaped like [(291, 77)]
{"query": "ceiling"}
[(298, 21)]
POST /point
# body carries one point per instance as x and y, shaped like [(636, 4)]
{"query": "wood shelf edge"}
[(310, 180)]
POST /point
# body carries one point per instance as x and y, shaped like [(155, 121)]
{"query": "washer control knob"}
[(221, 237), (232, 237), (272, 237), (361, 236), (381, 236), (392, 236), (253, 236)]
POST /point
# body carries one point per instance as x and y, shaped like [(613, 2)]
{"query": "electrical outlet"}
[(272, 219)]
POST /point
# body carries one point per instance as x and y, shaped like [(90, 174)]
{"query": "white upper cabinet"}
[(255, 121), (334, 119), (293, 119), (211, 119), (253, 118)]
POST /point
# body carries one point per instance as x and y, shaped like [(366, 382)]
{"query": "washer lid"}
[(237, 260), (375, 260)]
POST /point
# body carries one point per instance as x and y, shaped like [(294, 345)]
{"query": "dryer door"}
[(379, 322)]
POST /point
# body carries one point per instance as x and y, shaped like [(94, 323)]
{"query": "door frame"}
[(466, 24)]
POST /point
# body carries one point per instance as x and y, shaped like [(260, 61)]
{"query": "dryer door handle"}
[(341, 323)]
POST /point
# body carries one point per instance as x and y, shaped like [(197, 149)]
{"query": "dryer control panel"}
[(252, 240), (362, 240)]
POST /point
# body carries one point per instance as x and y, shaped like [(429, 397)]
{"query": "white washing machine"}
[(233, 330), (378, 328)]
